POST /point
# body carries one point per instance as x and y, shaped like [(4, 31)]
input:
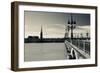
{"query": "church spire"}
[(41, 34)]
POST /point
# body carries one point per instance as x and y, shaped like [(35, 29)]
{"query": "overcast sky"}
[(53, 23)]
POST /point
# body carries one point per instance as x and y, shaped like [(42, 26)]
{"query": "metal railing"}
[(81, 48), (84, 45)]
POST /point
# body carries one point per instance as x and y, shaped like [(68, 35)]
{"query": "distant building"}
[(36, 39), (33, 37), (41, 34)]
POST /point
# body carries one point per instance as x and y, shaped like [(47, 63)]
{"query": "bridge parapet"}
[(76, 52)]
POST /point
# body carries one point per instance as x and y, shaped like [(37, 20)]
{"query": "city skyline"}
[(53, 24)]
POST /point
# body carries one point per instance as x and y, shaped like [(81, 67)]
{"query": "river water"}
[(44, 51)]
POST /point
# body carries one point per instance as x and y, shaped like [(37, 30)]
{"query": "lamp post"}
[(71, 22)]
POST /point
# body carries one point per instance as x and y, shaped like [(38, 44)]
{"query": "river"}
[(44, 51)]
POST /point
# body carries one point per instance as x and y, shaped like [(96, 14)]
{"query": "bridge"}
[(78, 40), (77, 49)]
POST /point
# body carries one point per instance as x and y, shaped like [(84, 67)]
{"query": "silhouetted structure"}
[(30, 39), (36, 39), (72, 23), (41, 34)]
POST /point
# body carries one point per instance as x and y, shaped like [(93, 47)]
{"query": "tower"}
[(67, 31), (72, 26), (41, 34)]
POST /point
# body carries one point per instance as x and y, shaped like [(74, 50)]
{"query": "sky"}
[(53, 23)]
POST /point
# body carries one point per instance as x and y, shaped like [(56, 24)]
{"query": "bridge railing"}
[(80, 47), (84, 45)]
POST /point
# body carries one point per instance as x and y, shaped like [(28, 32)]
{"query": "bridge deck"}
[(80, 52)]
